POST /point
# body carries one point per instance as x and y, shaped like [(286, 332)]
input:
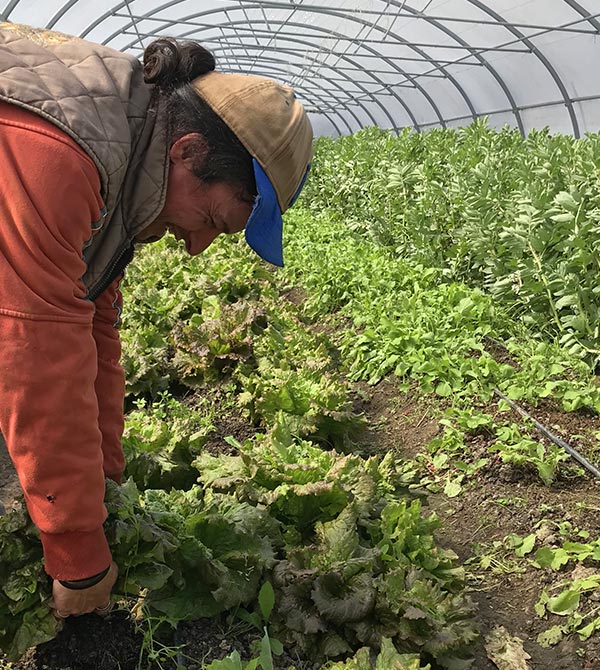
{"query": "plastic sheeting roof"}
[(397, 63)]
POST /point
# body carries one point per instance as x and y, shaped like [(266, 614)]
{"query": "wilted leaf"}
[(453, 487), (527, 546), (505, 650)]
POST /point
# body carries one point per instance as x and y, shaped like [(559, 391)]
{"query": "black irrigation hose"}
[(559, 442), (550, 435)]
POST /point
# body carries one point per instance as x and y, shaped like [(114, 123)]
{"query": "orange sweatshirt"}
[(61, 384)]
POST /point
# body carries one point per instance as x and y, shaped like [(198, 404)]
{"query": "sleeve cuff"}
[(75, 555)]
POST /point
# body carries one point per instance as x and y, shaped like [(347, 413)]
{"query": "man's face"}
[(196, 211)]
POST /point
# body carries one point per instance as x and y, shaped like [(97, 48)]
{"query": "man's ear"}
[(190, 150)]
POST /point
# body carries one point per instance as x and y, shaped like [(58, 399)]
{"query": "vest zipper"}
[(114, 270)]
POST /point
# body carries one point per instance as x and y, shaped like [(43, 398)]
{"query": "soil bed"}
[(217, 638), (88, 642), (113, 643)]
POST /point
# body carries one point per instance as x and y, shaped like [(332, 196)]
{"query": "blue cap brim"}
[(264, 230)]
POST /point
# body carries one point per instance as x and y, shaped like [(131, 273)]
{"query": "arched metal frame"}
[(327, 63), (350, 80), (339, 14)]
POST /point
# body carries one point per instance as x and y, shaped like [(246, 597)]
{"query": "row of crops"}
[(397, 263), (518, 217)]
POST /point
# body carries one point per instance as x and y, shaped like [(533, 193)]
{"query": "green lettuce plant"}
[(160, 441)]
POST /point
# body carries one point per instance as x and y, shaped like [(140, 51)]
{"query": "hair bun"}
[(169, 62)]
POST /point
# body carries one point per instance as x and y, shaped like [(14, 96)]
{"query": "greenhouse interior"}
[(300, 335)]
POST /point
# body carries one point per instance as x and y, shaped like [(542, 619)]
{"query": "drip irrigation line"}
[(543, 430), (550, 435)]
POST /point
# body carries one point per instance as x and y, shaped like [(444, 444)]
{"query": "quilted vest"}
[(98, 97)]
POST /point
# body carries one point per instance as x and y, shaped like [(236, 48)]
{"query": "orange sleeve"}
[(110, 380), (49, 203)]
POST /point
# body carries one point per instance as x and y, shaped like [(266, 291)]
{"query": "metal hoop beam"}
[(482, 60), (264, 48), (553, 73), (61, 13), (301, 87), (593, 21), (9, 9), (329, 11), (552, 103)]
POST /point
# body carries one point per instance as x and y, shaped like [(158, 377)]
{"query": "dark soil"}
[(89, 643), (500, 352), (297, 296), (92, 643), (489, 512), (228, 421), (403, 422), (217, 638), (230, 424)]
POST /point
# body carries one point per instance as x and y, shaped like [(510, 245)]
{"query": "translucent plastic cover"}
[(417, 63)]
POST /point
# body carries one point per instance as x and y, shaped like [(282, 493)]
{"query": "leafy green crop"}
[(517, 216), (410, 255), (295, 375), (223, 548), (300, 482), (161, 440), (387, 659), (405, 319), (358, 566), (507, 442), (25, 619), (162, 290), (341, 592), (180, 557), (216, 339), (519, 449), (341, 551)]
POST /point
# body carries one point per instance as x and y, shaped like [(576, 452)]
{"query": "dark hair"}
[(171, 65)]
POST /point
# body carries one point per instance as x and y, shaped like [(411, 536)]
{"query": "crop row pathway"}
[(497, 503)]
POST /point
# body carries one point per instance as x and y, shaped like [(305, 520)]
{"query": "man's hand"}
[(66, 602)]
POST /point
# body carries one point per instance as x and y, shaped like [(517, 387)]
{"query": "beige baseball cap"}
[(274, 127)]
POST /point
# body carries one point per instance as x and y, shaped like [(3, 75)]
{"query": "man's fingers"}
[(100, 611), (67, 602), (105, 609)]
